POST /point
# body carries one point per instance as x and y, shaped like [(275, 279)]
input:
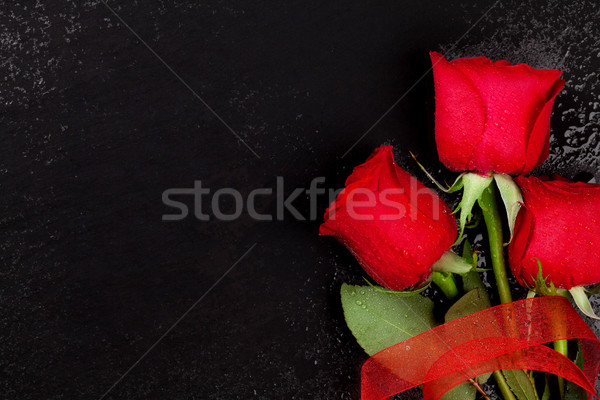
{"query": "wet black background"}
[(94, 127)]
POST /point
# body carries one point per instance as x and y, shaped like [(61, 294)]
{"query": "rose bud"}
[(395, 226), (492, 116), (559, 227)]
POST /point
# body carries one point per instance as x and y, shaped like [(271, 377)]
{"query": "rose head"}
[(492, 116), (395, 226), (559, 225)]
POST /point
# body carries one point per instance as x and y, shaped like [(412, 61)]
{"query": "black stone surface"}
[(94, 127)]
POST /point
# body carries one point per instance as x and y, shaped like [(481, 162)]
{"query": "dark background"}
[(94, 127)]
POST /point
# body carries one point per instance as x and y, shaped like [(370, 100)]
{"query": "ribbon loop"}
[(508, 336)]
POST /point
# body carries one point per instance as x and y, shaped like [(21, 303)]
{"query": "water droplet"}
[(565, 228), (358, 302)]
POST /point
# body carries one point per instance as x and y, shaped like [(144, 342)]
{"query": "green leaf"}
[(511, 197), (472, 280), (464, 391), (404, 293), (572, 390), (579, 357), (472, 302), (520, 384), (468, 251), (378, 320), (547, 394), (473, 186)]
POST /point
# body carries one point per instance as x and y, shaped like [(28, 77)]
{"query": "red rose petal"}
[(563, 223), (409, 226), (492, 116), (538, 146), (459, 114)]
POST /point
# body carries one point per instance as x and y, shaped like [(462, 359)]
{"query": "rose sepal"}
[(451, 262), (577, 292), (457, 185), (473, 186), (583, 301), (511, 197), (543, 287)]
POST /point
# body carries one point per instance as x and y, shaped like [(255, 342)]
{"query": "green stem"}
[(507, 394), (493, 222), (446, 283), (561, 346)]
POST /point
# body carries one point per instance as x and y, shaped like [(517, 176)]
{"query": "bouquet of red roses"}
[(493, 127)]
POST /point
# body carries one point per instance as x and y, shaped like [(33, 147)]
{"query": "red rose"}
[(492, 116), (559, 225), (395, 226)]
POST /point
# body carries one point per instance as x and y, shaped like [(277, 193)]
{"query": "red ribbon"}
[(509, 336)]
